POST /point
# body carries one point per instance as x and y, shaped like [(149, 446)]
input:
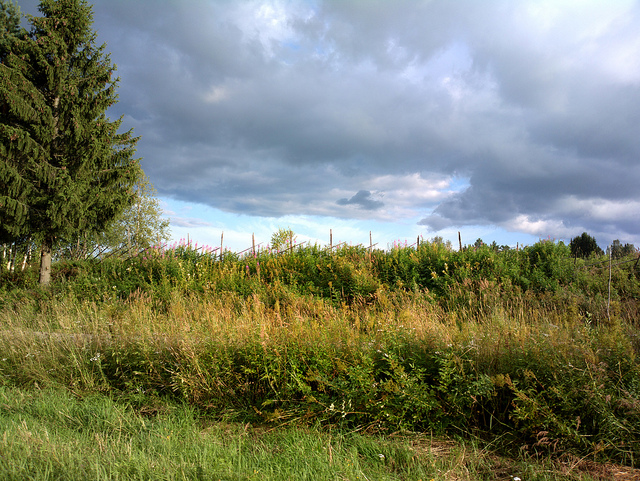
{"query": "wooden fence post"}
[(609, 298), (221, 244), (460, 240)]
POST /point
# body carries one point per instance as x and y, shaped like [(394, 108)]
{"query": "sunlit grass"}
[(52, 435)]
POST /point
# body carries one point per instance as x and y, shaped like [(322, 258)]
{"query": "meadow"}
[(317, 363)]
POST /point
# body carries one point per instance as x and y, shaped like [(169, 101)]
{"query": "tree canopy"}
[(64, 168), (584, 246), (619, 251), (282, 238)]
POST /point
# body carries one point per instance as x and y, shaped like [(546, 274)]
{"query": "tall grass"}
[(514, 348)]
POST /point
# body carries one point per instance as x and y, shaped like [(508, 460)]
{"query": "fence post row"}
[(9, 254)]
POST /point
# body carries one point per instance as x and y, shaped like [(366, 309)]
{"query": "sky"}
[(501, 120)]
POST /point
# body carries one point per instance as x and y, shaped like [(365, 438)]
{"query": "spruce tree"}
[(10, 30), (9, 26), (618, 251), (64, 168), (584, 246)]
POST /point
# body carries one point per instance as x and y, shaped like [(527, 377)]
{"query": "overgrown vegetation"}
[(522, 349)]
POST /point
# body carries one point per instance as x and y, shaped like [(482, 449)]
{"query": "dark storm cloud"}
[(273, 108), (362, 199)]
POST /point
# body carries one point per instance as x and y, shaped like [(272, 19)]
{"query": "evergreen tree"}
[(619, 251), (10, 31), (9, 26), (584, 246), (64, 168), (138, 227)]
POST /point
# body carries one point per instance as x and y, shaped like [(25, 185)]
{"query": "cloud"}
[(271, 108), (362, 199), (188, 222)]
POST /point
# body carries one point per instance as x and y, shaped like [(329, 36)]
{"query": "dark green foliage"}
[(584, 246), (618, 251), (64, 168), (10, 29), (549, 265)]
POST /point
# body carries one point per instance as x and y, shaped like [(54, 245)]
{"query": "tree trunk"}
[(45, 263), (11, 267), (27, 255)]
